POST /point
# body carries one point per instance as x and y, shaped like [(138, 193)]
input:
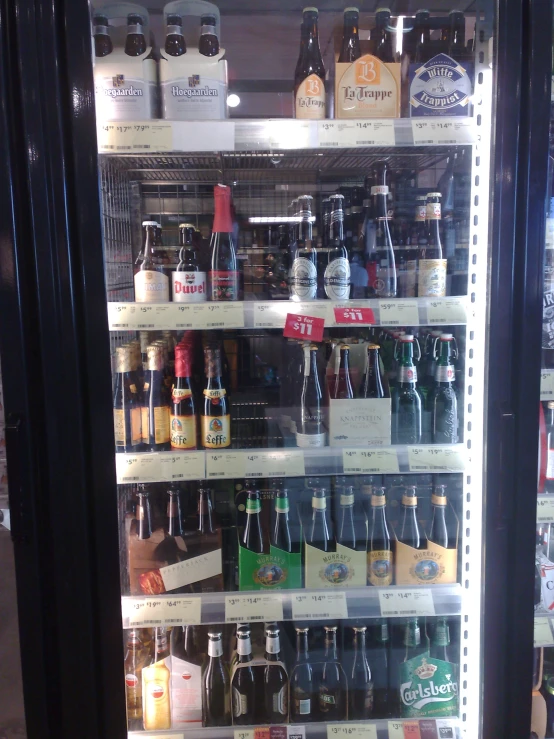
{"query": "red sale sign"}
[(308, 328), (361, 316)]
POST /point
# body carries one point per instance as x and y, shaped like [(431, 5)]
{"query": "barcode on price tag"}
[(436, 459), (269, 315), (183, 466), (399, 312), (334, 134), (224, 465), (319, 605), (274, 464), (399, 602), (446, 311), (547, 384), (545, 508), (118, 316), (369, 462), (137, 468), (543, 632), (135, 137), (460, 131), (156, 611), (351, 731), (244, 608)]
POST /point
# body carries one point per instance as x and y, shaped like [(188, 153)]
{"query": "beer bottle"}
[(208, 45), (151, 283), (174, 517), (156, 708), (206, 516), (372, 382), (298, 70), (350, 49), (429, 362), (381, 42), (378, 654), (457, 49), (224, 277), (186, 679), (143, 513), (135, 658), (332, 689), (182, 418), (102, 41), (424, 45), (361, 683), (311, 429), (336, 278), (215, 418), (156, 408), (438, 532), (417, 239), (302, 690), (309, 81), (135, 43), (275, 679), (379, 556), (303, 273), (412, 641), (549, 419), (325, 220), (243, 685), (431, 264), (444, 406), (409, 532), (175, 41), (126, 404), (253, 537), (341, 386), (347, 534), (320, 533), (281, 538), (406, 398), (216, 706), (381, 258), (440, 643), (189, 283)]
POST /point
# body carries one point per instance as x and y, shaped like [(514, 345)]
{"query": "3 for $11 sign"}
[(309, 328)]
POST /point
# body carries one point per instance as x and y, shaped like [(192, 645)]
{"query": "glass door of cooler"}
[(296, 267)]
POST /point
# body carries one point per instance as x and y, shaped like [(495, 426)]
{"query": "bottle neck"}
[(174, 515), (144, 517), (360, 642), (331, 646), (222, 216), (302, 647), (412, 635), (336, 225), (205, 523), (215, 648), (407, 354), (244, 648), (272, 648)]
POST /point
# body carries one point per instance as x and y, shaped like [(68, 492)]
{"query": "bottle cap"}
[(174, 20), (407, 337), (446, 337), (373, 346), (352, 11), (207, 20), (550, 404), (434, 194), (330, 628), (360, 629), (134, 19), (150, 223), (311, 10), (382, 10), (101, 20)]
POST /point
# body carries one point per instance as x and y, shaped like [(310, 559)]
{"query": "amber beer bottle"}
[(381, 42), (409, 532), (151, 283), (341, 386), (303, 692), (361, 684), (134, 663), (438, 533), (189, 284), (332, 687), (126, 404), (135, 43), (216, 705), (372, 382), (183, 411), (215, 419), (243, 687), (155, 409), (431, 265), (224, 277), (379, 556), (102, 41), (350, 49), (175, 41), (275, 679), (157, 711), (208, 44), (309, 81)]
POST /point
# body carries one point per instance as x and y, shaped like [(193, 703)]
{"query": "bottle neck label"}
[(215, 648), (407, 374), (253, 506), (444, 373), (189, 287), (281, 505), (409, 501), (380, 190), (272, 645), (347, 500), (207, 31), (215, 393), (174, 31), (438, 500), (310, 98), (378, 501), (178, 394), (319, 504), (244, 646), (433, 211)]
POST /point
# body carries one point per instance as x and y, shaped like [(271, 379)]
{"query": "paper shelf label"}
[(399, 312), (118, 316), (265, 315), (351, 731), (204, 135), (547, 384), (224, 465), (433, 459), (368, 462), (274, 464), (396, 730), (137, 467), (347, 134), (183, 466), (245, 608), (354, 314), (309, 328), (545, 508), (319, 605), (398, 602), (243, 734), (217, 315), (426, 132), (446, 728), (446, 312), (148, 137), (160, 611), (543, 633)]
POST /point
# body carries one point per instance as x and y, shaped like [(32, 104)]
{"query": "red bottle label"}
[(224, 285)]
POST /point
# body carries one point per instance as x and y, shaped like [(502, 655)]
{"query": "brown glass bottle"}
[(135, 43), (208, 44), (216, 418), (350, 49), (143, 514), (309, 81), (155, 409), (136, 658), (126, 404), (381, 41), (102, 41), (175, 41)]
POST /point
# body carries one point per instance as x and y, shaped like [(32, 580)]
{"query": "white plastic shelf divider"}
[(272, 314)]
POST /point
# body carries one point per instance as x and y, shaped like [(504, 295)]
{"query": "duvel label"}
[(441, 86)]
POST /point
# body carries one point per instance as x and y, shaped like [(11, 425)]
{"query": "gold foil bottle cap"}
[(123, 359)]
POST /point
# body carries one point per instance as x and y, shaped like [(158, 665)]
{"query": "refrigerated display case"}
[(284, 487)]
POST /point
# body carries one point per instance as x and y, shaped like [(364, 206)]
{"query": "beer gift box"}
[(361, 422), (194, 87), (367, 88), (440, 87)]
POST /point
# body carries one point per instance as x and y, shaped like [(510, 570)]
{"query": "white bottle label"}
[(125, 87), (550, 465), (189, 287), (303, 279), (337, 279), (304, 706), (310, 98), (186, 692), (240, 704), (280, 701), (444, 374), (310, 440), (407, 374), (432, 278), (151, 286)]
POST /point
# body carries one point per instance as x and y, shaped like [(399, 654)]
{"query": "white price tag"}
[(348, 134), (319, 605), (159, 735), (369, 462), (245, 608), (203, 135), (437, 459), (543, 633), (157, 611), (119, 316), (446, 311), (545, 508), (221, 465), (290, 134), (399, 312), (442, 131), (217, 315), (275, 464), (137, 468), (547, 384), (396, 730), (351, 731), (135, 136), (270, 315), (398, 602), (145, 316), (182, 466), (315, 309), (244, 734)]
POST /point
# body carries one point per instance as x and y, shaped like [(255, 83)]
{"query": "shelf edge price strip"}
[(160, 611), (139, 136), (369, 461), (351, 731), (245, 608), (399, 312), (543, 632), (547, 384), (433, 459), (182, 466), (545, 508), (274, 464), (137, 468), (402, 602), (319, 605), (224, 465), (446, 312)]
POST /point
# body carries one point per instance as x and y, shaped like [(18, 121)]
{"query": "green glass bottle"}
[(444, 403), (406, 398)]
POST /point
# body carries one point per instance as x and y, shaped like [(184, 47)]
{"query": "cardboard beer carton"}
[(362, 422), (367, 88), (193, 86)]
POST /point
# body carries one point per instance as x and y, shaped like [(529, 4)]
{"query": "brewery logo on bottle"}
[(428, 687), (368, 87), (441, 86), (131, 681), (427, 570), (157, 691), (269, 572), (310, 98)]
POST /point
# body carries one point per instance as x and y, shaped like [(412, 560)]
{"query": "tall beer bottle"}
[(303, 272), (418, 238), (444, 402), (280, 537), (347, 535), (341, 386), (431, 265), (253, 537), (135, 42), (309, 81), (126, 404), (378, 653), (143, 513), (332, 688), (224, 277), (186, 678), (175, 41), (216, 704), (372, 382), (135, 660), (360, 691), (215, 419), (183, 409), (409, 531), (276, 680), (320, 533), (208, 45), (336, 279), (243, 688), (412, 641), (174, 516), (424, 48), (156, 408), (379, 555), (406, 398), (457, 48), (381, 42), (303, 694), (151, 283), (381, 258), (311, 426), (102, 42), (549, 421), (189, 283), (156, 699), (438, 532), (350, 48)]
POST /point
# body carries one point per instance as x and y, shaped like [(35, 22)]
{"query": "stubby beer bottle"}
[(350, 48), (224, 276), (151, 283), (135, 42), (157, 711), (406, 398), (215, 419), (189, 283), (102, 41), (216, 704), (309, 81), (175, 41), (275, 679), (336, 279), (379, 555), (431, 264), (208, 44), (444, 402), (243, 689)]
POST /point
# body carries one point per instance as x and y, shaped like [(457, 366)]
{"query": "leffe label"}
[(216, 432)]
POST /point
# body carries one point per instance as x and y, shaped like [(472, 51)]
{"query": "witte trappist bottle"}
[(156, 403), (431, 264), (182, 418), (102, 41), (320, 533), (311, 423), (336, 279), (224, 277), (276, 680), (135, 42), (409, 530), (309, 81), (332, 685), (280, 534), (444, 402), (303, 271), (175, 44), (379, 555), (360, 692), (350, 48), (216, 704), (208, 45), (126, 404), (243, 688), (215, 417), (189, 283), (438, 532), (303, 692), (253, 537), (372, 381), (406, 398), (151, 283), (340, 387)]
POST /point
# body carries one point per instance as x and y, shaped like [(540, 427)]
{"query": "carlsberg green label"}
[(428, 688)]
